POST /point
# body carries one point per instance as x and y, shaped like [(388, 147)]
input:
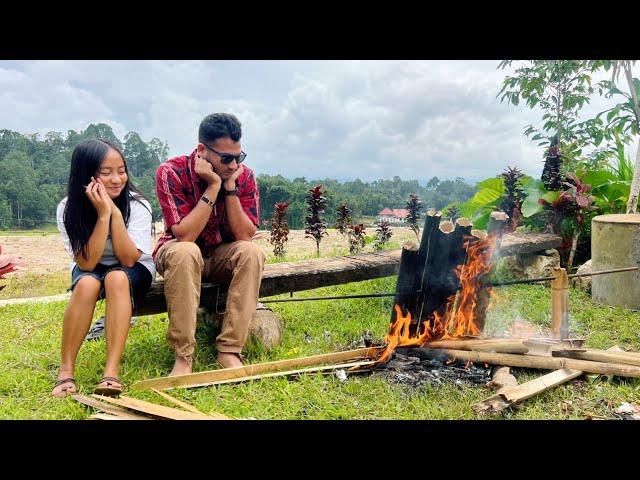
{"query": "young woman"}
[(105, 223)]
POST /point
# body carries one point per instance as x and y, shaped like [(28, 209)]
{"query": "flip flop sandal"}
[(97, 329), (107, 390), (62, 381)]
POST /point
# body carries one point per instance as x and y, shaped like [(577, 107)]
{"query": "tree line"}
[(34, 172)]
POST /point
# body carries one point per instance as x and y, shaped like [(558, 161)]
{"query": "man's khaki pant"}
[(239, 264)]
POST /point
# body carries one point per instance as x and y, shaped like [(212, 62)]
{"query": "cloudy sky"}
[(318, 119)]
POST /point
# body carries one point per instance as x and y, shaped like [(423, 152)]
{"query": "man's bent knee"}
[(184, 252)]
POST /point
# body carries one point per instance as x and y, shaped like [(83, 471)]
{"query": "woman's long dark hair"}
[(80, 216)]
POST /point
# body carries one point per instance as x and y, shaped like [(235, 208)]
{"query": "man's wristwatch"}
[(229, 193), (206, 200)]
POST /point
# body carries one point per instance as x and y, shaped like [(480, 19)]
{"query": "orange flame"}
[(458, 319)]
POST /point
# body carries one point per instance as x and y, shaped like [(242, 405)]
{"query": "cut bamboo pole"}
[(359, 365), (108, 416), (598, 356), (191, 379), (506, 345), (153, 409), (547, 363), (560, 303), (188, 407), (107, 407)]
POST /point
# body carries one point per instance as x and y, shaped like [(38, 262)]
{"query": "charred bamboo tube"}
[(560, 303), (405, 285)]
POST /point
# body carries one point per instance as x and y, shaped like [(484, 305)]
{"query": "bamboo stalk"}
[(506, 345), (598, 356), (191, 379), (108, 416), (359, 365), (107, 408), (188, 407), (153, 409), (545, 363), (559, 303)]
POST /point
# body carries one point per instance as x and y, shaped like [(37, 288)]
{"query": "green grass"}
[(30, 343), (35, 285), (37, 232)]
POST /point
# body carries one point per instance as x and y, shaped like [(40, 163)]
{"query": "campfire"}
[(452, 299), (436, 331)]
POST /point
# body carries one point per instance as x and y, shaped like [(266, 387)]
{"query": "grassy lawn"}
[(30, 343), (48, 229)]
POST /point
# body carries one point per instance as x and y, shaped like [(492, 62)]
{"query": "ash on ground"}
[(411, 368)]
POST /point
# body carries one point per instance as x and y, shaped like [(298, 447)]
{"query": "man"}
[(211, 208)]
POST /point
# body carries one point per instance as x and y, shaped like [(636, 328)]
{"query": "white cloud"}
[(339, 119)]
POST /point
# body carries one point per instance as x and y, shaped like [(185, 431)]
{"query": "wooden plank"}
[(547, 363), (188, 407), (191, 379), (108, 416), (519, 393), (358, 365), (286, 277), (107, 408), (153, 409)]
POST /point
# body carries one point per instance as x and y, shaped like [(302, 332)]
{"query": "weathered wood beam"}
[(205, 378)]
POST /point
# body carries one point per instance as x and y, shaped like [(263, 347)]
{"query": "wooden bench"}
[(279, 278)]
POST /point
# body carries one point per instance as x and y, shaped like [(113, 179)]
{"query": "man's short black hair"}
[(219, 125)]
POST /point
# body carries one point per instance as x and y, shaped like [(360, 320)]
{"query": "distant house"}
[(397, 215)]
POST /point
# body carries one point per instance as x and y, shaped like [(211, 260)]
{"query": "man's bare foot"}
[(65, 385), (229, 360), (182, 366)]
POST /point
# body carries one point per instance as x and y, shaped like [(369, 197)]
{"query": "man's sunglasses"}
[(227, 158)]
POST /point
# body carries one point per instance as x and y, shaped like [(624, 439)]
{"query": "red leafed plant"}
[(279, 229), (315, 226), (383, 234), (570, 208), (356, 238), (8, 264), (344, 219)]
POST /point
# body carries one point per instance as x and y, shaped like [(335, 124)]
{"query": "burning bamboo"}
[(405, 285)]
